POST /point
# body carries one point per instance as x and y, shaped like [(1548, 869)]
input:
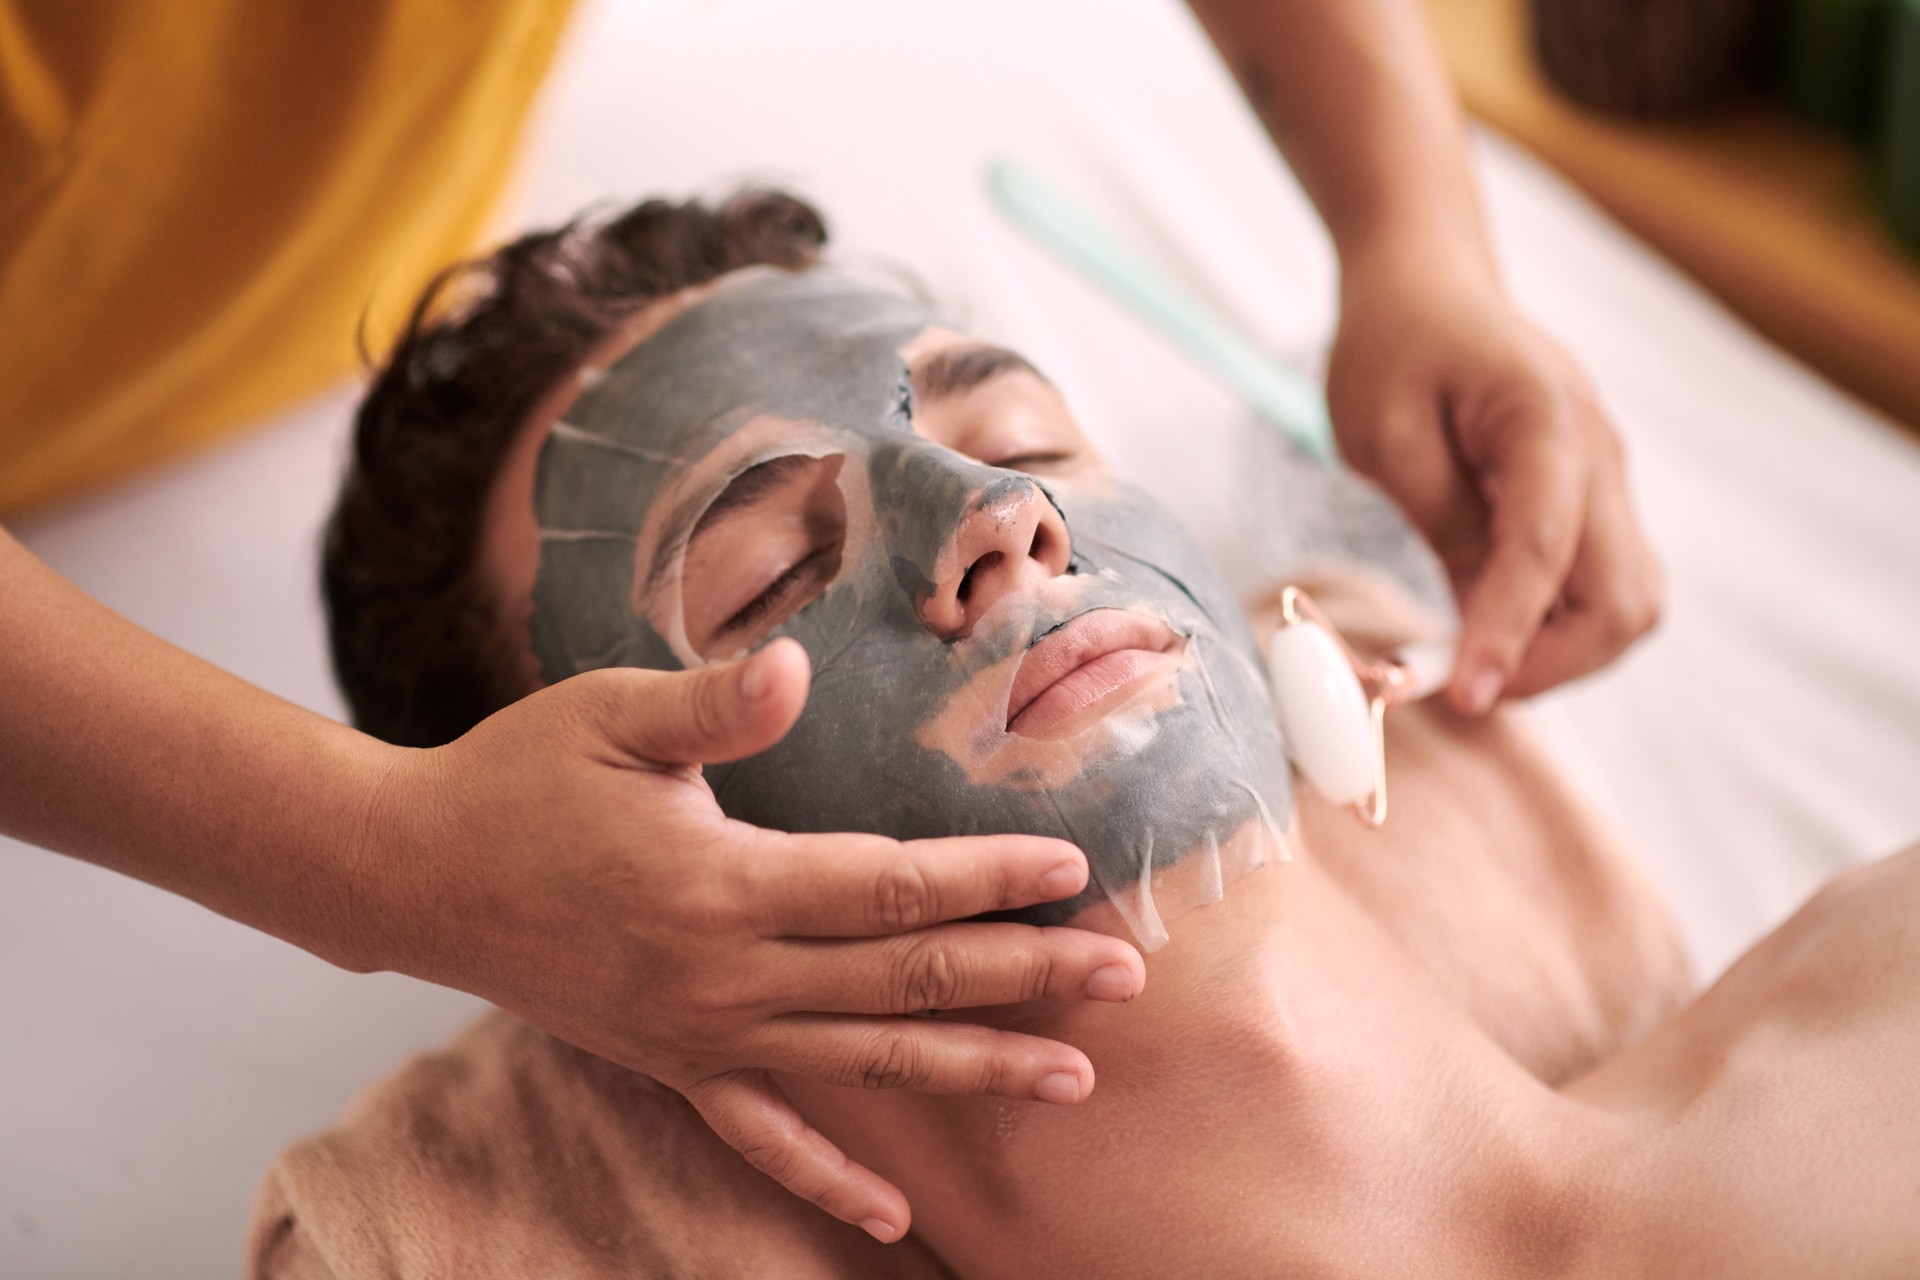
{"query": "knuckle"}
[(929, 977), (1653, 604), (1037, 977), (1526, 409), (892, 1061), (1538, 544), (1582, 394), (750, 885), (1616, 632), (692, 908), (1360, 448), (1006, 888), (904, 896), (590, 701), (1613, 447), (995, 1075), (1644, 614), (778, 1160), (720, 1000), (1632, 614), (1548, 407), (702, 915), (706, 706)]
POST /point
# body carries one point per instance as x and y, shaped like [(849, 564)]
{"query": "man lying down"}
[(1358, 1053)]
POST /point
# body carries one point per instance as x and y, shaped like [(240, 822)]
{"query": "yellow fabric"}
[(201, 199)]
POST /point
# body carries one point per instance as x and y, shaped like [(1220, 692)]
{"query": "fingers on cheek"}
[(805, 1163), (928, 1056), (753, 1117), (991, 964), (902, 896), (902, 1058)]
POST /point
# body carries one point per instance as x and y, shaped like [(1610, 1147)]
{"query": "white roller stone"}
[(1323, 712)]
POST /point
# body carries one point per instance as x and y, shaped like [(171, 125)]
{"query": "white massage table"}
[(153, 1057)]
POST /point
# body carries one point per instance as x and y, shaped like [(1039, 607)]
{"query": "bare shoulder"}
[(1852, 952), (1776, 1122)]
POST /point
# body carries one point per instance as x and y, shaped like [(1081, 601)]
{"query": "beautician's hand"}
[(565, 860), (569, 863), (1479, 426), (1490, 438)]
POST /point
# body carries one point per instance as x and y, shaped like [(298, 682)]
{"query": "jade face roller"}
[(1332, 706)]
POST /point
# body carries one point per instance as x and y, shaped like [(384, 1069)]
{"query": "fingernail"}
[(1060, 1088), (1061, 881), (754, 680), (884, 1232), (1483, 690), (1113, 982)]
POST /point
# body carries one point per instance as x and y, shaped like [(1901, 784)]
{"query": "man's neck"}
[(1289, 1093)]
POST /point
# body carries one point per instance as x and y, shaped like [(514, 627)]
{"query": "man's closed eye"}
[(771, 601), (764, 550)]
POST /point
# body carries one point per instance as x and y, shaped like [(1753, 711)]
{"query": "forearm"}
[(1355, 95), (118, 748)]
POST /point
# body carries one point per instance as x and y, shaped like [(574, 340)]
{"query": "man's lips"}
[(1078, 671)]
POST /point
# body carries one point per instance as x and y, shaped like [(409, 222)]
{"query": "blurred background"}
[(1771, 148), (1711, 203)]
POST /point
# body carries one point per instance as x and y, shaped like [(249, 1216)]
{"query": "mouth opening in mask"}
[(1092, 664)]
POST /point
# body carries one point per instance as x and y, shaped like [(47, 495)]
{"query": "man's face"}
[(1003, 637)]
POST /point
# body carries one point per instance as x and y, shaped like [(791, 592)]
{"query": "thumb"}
[(714, 714)]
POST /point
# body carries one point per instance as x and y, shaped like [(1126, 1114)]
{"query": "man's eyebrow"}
[(953, 370), (750, 486), (741, 492)]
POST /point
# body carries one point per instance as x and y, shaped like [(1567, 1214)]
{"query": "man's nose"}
[(1010, 537)]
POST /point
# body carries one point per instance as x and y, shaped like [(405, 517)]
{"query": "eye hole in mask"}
[(763, 550)]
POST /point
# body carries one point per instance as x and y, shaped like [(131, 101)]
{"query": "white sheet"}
[(155, 1056)]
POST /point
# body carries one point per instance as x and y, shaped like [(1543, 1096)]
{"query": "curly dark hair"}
[(418, 646)]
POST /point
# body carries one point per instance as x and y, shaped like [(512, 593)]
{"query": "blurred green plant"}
[(1899, 123), (1829, 61), (1849, 65)]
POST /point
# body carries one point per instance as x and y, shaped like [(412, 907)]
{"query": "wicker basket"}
[(1648, 57)]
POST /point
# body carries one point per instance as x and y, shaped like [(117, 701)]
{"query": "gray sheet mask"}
[(1171, 796)]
